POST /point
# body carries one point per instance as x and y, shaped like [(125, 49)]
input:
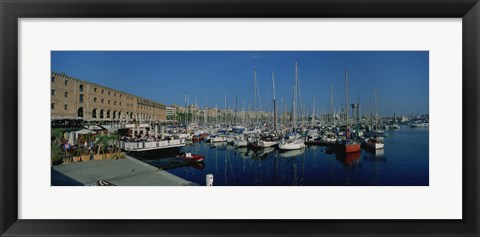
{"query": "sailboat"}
[(295, 142), (347, 146)]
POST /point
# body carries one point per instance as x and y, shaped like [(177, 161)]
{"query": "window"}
[(53, 92), (52, 105), (66, 82), (95, 89), (66, 94), (81, 98), (53, 79), (66, 107), (108, 101), (103, 100), (120, 95), (114, 102), (115, 94), (95, 99), (109, 93), (120, 103), (81, 87), (103, 91)]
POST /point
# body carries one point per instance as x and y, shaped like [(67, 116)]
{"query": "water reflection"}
[(349, 159), (407, 153), (292, 153)]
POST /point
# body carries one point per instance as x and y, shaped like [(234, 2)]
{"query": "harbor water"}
[(403, 162)]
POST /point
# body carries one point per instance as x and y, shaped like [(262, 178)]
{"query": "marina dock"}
[(122, 172)]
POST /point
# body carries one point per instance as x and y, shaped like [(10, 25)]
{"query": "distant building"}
[(171, 111), (178, 109), (79, 99)]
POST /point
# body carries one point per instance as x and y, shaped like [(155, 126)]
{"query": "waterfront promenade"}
[(122, 172)]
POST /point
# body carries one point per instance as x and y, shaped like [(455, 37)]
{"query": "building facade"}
[(72, 98)]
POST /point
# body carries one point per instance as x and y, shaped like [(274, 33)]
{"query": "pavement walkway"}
[(122, 172)]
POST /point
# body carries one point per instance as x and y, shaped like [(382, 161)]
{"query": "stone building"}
[(72, 98)]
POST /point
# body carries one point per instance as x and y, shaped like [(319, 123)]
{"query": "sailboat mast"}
[(185, 111), (206, 110), (331, 104), (255, 93), (294, 109), (376, 110), (313, 112), (274, 104), (243, 110), (235, 109), (346, 97)]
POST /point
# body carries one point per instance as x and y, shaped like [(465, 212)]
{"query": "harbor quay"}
[(121, 172)]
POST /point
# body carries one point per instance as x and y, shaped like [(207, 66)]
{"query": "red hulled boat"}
[(191, 157)]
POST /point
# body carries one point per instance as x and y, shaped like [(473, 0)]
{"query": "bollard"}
[(209, 179)]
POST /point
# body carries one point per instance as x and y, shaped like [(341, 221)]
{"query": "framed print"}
[(251, 118)]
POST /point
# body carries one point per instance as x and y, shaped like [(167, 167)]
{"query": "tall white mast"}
[(255, 93), (274, 104), (295, 86), (346, 98), (205, 120), (331, 104), (313, 112)]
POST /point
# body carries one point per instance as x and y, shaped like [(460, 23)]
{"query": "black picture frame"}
[(11, 11)]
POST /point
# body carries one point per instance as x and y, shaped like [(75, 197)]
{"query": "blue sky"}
[(401, 78)]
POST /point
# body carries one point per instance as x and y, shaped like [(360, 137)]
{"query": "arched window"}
[(80, 112), (120, 114), (94, 113), (114, 114), (101, 113), (108, 113)]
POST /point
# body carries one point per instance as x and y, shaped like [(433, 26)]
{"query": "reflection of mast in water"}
[(349, 161), (231, 169), (295, 175), (257, 173), (216, 161), (225, 170), (275, 169), (303, 169), (375, 156), (282, 177), (243, 165), (332, 170)]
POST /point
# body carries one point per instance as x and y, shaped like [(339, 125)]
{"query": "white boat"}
[(291, 144), (374, 143), (218, 139), (240, 143), (312, 135), (152, 149), (419, 124), (264, 144), (185, 136)]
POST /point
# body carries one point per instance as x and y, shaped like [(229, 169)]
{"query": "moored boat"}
[(347, 145), (291, 144), (374, 143), (191, 157)]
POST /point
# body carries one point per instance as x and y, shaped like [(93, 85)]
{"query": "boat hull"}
[(155, 153), (374, 146), (348, 148), (291, 146)]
